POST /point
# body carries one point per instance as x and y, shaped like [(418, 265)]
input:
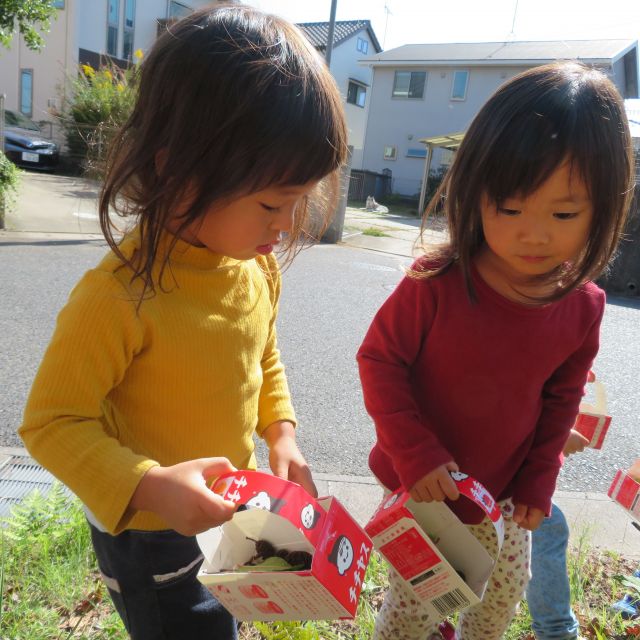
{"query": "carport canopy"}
[(450, 141)]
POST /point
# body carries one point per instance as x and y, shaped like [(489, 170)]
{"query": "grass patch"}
[(376, 233), (50, 587)]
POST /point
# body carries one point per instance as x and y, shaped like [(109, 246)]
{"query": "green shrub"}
[(100, 102), (9, 179)]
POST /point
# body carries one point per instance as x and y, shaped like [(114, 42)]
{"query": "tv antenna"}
[(512, 34), (386, 22)]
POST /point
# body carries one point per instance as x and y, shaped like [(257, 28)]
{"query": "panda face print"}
[(458, 476), (309, 517), (261, 500), (342, 554)]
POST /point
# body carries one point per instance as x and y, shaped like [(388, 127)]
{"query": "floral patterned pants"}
[(400, 617)]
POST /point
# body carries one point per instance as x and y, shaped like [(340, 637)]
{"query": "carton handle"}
[(476, 492)]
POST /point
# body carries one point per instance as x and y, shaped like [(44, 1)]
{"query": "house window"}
[(179, 10), (390, 152), (459, 85), (409, 84), (129, 24), (58, 4), (112, 28), (26, 92), (356, 94), (362, 45)]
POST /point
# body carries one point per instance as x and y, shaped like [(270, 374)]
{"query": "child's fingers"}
[(519, 513), (420, 493), (215, 467), (450, 488), (435, 490), (302, 475)]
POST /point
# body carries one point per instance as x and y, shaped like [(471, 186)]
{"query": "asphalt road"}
[(330, 295)]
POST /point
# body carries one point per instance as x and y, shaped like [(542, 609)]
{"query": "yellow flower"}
[(120, 88), (138, 54), (88, 70), (107, 74)]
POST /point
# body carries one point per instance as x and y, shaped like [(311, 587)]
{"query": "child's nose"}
[(283, 220), (534, 232)]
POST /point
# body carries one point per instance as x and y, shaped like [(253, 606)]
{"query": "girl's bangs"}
[(518, 165)]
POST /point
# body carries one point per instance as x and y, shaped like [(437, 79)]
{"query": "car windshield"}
[(16, 119)]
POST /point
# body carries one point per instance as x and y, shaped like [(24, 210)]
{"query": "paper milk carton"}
[(626, 492), (286, 516), (592, 421), (432, 550)]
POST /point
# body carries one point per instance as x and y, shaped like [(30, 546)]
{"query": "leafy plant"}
[(49, 580), (30, 18), (100, 102), (9, 181)]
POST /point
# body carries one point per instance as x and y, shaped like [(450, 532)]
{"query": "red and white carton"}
[(289, 518), (626, 492), (592, 421), (433, 551)]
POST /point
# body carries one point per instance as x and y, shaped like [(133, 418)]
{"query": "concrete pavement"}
[(55, 207)]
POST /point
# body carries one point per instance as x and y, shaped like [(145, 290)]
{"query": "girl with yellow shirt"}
[(164, 362)]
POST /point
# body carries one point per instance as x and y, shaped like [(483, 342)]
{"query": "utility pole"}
[(332, 28)]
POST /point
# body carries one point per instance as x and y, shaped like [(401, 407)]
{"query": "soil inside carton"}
[(294, 524), (433, 551)]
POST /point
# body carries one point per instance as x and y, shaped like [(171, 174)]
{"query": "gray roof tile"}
[(506, 52), (318, 32)]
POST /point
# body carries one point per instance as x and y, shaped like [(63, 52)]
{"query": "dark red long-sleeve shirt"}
[(493, 385)]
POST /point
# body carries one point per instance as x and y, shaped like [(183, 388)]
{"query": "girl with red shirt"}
[(479, 358)]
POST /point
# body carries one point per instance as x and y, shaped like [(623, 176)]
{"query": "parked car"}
[(25, 144)]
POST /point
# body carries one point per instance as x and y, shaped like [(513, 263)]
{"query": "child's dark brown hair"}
[(231, 101), (526, 130)]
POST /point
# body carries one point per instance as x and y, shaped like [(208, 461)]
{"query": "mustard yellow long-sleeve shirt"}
[(191, 373)]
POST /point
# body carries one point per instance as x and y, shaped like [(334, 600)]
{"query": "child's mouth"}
[(264, 249)]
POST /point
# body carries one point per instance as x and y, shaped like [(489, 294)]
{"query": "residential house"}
[(85, 31), (352, 40), (427, 90)]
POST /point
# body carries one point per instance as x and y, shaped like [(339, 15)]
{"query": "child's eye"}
[(565, 215), (508, 212), (266, 207)]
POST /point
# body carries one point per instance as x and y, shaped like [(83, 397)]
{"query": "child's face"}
[(532, 235), (250, 225)]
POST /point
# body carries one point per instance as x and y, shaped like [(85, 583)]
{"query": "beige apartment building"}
[(85, 31)]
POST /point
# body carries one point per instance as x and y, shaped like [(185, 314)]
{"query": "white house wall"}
[(82, 24), (344, 65), (49, 67), (402, 122)]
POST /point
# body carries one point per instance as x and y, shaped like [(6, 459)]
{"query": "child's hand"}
[(575, 443), (634, 470), (285, 458), (180, 496), (527, 517), (436, 485)]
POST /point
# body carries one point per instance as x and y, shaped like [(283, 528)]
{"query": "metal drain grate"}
[(19, 476)]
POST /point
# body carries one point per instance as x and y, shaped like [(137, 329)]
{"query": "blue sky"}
[(412, 21)]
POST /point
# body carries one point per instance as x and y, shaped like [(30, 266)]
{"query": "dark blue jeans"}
[(151, 576)]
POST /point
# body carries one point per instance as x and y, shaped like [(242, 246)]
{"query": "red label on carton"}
[(410, 554), (626, 492), (442, 563)]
